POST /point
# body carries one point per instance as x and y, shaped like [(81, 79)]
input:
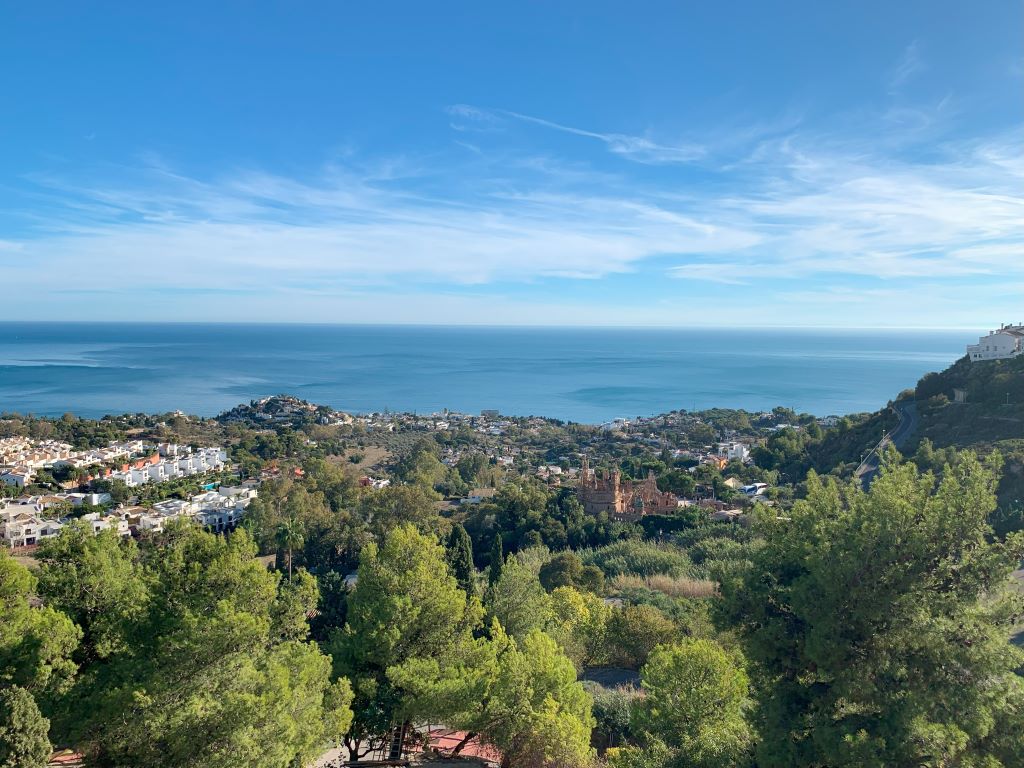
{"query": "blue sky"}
[(780, 163)]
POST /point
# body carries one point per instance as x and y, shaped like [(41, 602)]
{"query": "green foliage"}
[(397, 505), (793, 452), (641, 558), (199, 671), (613, 712), (96, 580), (692, 617), (518, 600), (296, 599), (579, 624), (323, 535), (634, 631), (472, 468), (987, 382), (422, 467), (406, 612), (497, 561), (36, 644), (567, 570), (24, 732), (460, 559), (878, 623), (289, 537), (529, 514), (695, 696), (332, 604), (535, 711)]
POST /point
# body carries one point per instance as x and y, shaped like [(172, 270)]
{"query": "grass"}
[(370, 456), (673, 586)]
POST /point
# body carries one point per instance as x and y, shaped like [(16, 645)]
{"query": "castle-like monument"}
[(622, 499)]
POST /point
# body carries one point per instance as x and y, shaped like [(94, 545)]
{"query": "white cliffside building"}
[(1007, 342)]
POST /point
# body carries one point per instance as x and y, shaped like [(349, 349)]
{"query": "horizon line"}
[(503, 326)]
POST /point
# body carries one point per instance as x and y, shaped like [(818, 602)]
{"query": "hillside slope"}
[(989, 417), (993, 412)]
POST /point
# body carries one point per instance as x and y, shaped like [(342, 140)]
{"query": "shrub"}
[(642, 558)]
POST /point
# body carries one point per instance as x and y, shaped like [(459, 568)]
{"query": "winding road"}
[(907, 412)]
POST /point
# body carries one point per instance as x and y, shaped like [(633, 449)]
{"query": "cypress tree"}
[(460, 558), (497, 561)]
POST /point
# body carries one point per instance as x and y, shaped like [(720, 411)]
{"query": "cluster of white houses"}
[(169, 463), (1001, 344), (26, 521), (22, 457), (127, 461)]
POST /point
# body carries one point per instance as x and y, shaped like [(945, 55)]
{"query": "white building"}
[(19, 527), (1007, 342), (18, 477), (734, 451)]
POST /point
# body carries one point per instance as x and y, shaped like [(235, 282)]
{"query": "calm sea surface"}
[(586, 375)]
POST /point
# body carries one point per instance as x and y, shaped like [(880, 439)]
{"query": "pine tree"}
[(24, 740), (877, 624)]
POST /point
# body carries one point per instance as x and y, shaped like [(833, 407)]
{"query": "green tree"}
[(296, 599), (97, 580), (460, 559), (878, 624), (36, 643), (497, 561), (471, 466), (397, 505), (24, 732), (613, 712), (580, 625), (518, 600), (567, 570), (634, 631), (563, 570), (332, 605), (289, 538), (406, 612), (695, 696), (204, 673), (536, 712)]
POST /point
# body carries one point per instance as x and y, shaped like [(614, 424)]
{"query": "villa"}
[(1004, 343)]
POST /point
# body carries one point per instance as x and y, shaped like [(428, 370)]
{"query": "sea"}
[(586, 375)]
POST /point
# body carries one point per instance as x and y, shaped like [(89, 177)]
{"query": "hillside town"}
[(26, 519), (76, 483)]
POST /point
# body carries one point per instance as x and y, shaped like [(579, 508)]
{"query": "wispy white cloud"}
[(829, 214), (640, 149), (797, 210), (910, 64), (258, 228)]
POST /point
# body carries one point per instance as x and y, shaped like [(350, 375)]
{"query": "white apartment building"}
[(158, 471), (1004, 343), (25, 522)]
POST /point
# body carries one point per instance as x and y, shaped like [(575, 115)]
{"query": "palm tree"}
[(289, 534)]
